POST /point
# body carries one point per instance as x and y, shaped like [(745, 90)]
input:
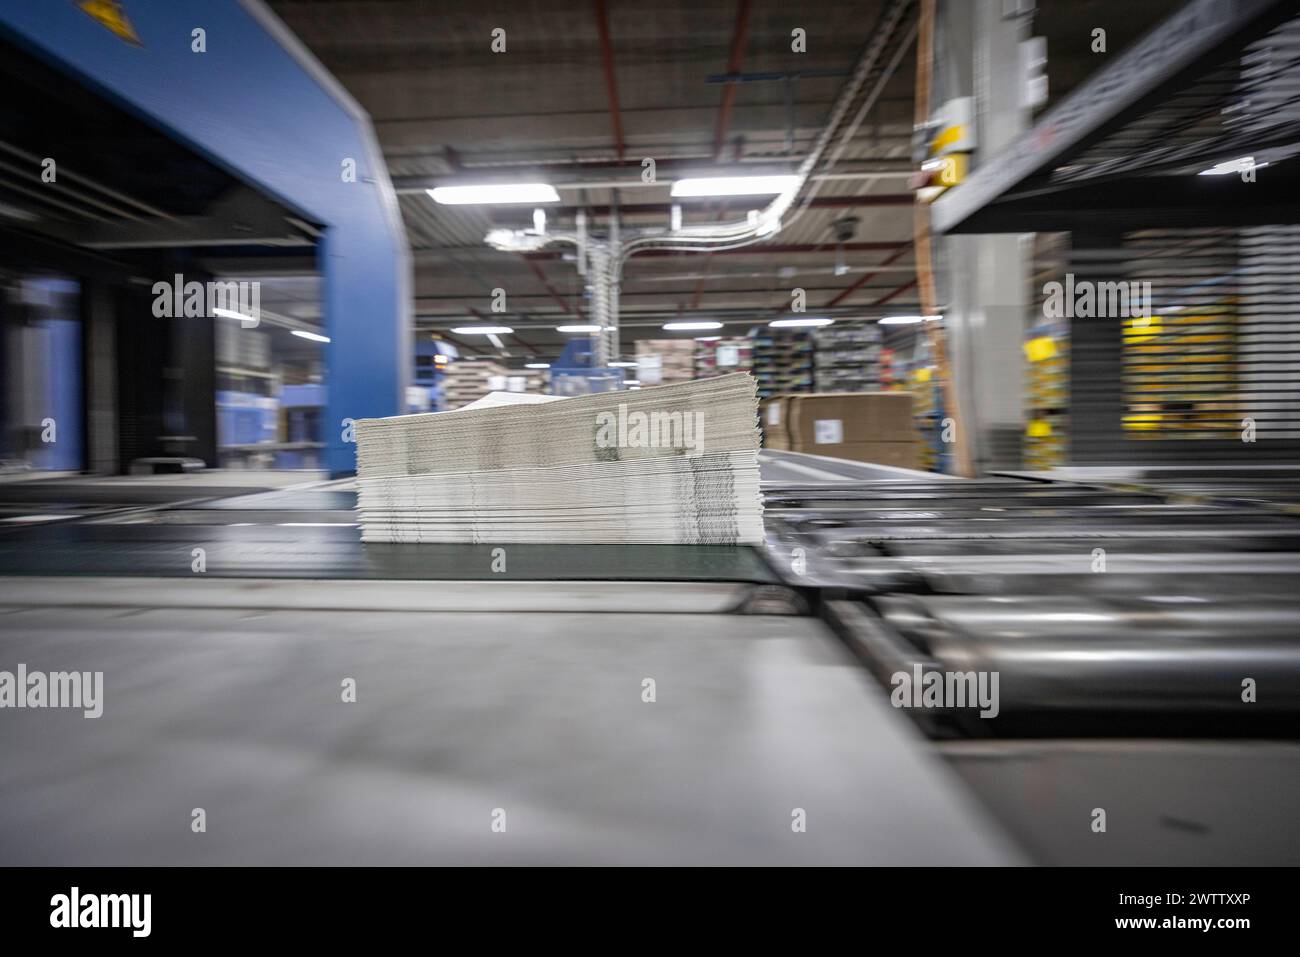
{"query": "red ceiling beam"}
[(546, 283), (461, 344), (901, 289), (865, 277), (611, 83), (738, 37)]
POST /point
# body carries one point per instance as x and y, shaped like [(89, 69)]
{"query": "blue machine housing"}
[(256, 84), (573, 374)]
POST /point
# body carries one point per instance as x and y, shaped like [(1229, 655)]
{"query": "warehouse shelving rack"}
[(1210, 374)]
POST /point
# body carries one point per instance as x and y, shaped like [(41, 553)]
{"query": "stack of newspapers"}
[(677, 464)]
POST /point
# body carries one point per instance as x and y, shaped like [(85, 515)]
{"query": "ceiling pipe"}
[(661, 210), (758, 225), (555, 176), (769, 221), (767, 249)]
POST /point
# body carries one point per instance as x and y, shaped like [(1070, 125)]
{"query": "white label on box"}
[(728, 355), (496, 383), (828, 431), (517, 383), (649, 369), (774, 414)]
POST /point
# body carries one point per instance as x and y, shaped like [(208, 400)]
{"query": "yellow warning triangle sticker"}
[(110, 14)]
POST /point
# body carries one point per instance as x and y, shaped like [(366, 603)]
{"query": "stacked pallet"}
[(467, 382), (846, 358), (665, 361), (783, 361), (717, 356)]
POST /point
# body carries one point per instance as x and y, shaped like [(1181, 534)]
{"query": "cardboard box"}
[(774, 422), (818, 420)]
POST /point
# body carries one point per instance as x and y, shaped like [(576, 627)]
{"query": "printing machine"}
[(226, 610)]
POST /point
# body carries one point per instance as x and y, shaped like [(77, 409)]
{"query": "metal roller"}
[(1141, 654)]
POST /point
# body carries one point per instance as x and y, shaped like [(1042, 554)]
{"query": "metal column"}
[(984, 279)]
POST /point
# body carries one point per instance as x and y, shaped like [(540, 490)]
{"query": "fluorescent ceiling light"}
[(577, 328), (231, 314), (707, 338), (314, 337), (1232, 166), (800, 322), (733, 185), (495, 193), (675, 326), (906, 320), (623, 365), (537, 365), (482, 330)]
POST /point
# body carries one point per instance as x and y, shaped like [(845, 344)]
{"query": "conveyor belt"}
[(995, 575), (298, 550), (234, 706), (1103, 610)]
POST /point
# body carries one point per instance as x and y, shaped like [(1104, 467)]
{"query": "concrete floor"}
[(1167, 803)]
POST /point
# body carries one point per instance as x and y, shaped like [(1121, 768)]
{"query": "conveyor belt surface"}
[(238, 710), (989, 575), (303, 550)]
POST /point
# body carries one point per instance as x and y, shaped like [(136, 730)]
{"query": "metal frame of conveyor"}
[(1003, 575)]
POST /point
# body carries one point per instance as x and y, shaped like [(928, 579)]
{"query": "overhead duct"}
[(891, 37)]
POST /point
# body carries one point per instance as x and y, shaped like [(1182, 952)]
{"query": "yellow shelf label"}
[(1040, 348)]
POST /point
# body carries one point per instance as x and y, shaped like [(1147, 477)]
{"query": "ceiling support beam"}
[(738, 37), (888, 296), (460, 343), (611, 82), (605, 175), (546, 284), (867, 277)]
